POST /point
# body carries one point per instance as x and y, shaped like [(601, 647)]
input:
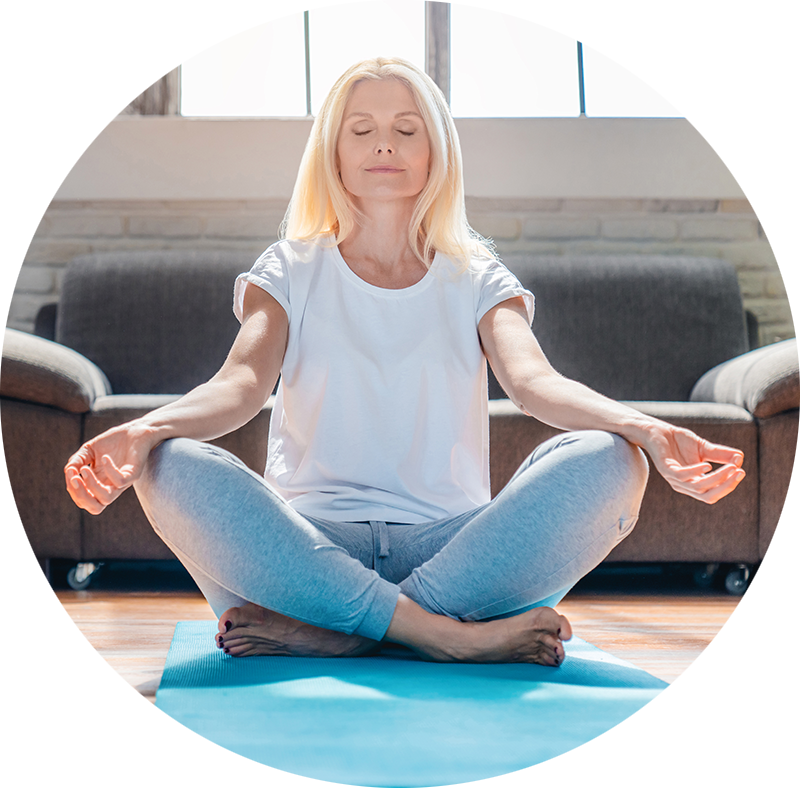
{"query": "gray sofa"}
[(666, 334)]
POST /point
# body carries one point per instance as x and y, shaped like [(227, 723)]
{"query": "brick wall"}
[(717, 228)]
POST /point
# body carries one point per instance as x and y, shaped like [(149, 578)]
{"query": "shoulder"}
[(288, 254)]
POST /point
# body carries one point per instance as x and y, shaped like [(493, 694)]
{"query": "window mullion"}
[(437, 45)]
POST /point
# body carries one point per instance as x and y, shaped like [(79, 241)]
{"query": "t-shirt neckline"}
[(385, 292)]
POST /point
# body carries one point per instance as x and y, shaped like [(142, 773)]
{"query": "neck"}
[(378, 249), (382, 234)]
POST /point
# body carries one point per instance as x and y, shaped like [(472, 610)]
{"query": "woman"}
[(374, 520)]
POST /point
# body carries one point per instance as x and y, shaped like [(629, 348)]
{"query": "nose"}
[(384, 147)]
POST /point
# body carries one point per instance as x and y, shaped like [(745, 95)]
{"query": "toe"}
[(227, 619)]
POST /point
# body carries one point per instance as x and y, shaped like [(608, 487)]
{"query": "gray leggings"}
[(572, 500)]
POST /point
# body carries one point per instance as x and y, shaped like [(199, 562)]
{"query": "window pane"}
[(503, 66), (781, 50), (8, 51), (67, 48), (639, 57), (344, 34), (261, 72)]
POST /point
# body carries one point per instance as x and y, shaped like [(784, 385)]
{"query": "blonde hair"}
[(320, 205)]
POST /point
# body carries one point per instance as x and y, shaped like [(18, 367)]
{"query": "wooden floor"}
[(99, 654)]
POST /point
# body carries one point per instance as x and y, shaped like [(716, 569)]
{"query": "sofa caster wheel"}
[(79, 577), (737, 579), (705, 575)]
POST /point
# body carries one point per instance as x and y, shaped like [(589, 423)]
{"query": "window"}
[(504, 58), (251, 58), (521, 58)]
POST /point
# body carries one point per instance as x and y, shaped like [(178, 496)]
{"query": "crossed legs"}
[(281, 584)]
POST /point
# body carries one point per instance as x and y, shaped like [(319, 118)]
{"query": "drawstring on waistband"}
[(380, 541)]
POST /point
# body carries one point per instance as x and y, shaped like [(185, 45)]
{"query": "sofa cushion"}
[(156, 322), (39, 371), (634, 327), (764, 381)]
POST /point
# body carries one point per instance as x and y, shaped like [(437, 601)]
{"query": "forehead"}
[(374, 96)]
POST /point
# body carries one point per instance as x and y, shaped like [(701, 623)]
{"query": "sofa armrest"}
[(46, 373), (764, 381)]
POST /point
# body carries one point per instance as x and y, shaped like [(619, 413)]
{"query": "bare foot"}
[(537, 635), (251, 630)]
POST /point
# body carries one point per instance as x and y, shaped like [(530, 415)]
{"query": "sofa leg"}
[(25, 574), (793, 579)]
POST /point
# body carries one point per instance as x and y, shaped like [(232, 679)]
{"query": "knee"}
[(619, 463), (164, 461)]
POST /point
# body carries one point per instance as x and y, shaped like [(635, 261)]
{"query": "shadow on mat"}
[(403, 676)]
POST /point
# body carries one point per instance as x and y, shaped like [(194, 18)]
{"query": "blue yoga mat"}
[(394, 720)]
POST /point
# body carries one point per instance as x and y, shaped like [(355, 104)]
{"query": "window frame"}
[(146, 67)]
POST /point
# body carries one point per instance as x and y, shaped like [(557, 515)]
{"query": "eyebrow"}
[(368, 115)]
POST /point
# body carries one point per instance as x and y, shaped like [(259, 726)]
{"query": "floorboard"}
[(98, 654)]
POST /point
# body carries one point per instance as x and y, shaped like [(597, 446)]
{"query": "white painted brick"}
[(596, 206), (24, 307), (769, 310), (515, 205), (77, 225), (783, 283), (237, 226), (718, 228), (681, 206), (768, 333), (556, 227), (759, 206), (35, 279), (195, 207), (21, 226), (55, 251), (496, 227), (528, 246), (752, 283), (164, 226), (780, 229), (657, 229), (744, 255)]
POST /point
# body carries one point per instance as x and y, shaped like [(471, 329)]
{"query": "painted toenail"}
[(228, 625), (227, 651)]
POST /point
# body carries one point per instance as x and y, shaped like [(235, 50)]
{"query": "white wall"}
[(152, 158)]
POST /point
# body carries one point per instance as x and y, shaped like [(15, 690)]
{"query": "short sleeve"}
[(271, 273), (495, 284)]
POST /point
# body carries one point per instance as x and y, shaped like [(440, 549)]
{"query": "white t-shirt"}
[(381, 412)]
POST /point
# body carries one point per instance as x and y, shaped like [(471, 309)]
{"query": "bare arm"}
[(110, 463), (681, 457)]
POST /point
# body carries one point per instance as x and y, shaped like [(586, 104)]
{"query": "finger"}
[(716, 452), (710, 480), (686, 472), (82, 497), (725, 484), (104, 494), (702, 484), (120, 479), (81, 457)]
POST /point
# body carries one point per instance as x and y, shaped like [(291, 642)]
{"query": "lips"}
[(384, 169)]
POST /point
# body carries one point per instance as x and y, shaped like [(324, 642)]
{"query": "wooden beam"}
[(437, 45)]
